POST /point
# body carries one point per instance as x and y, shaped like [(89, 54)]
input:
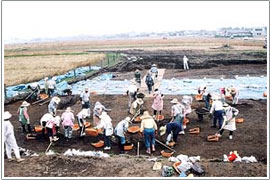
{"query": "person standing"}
[(98, 109), (85, 98), (229, 120), (235, 95), (158, 102), (136, 106), (185, 63), (24, 116), (148, 128), (177, 114), (67, 122), (217, 110), (132, 92), (154, 72), (120, 131), (138, 78), (51, 86), (9, 138), (149, 82), (52, 107), (106, 124)]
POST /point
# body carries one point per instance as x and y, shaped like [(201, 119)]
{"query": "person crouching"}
[(148, 127), (120, 130), (81, 121), (51, 131)]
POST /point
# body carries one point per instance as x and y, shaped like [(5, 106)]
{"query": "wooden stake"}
[(39, 101), (48, 147), (44, 102), (138, 149), (165, 145)]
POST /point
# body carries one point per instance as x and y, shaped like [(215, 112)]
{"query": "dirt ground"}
[(250, 138)]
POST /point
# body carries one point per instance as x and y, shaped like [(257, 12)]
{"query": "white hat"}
[(25, 104), (145, 115), (133, 81), (162, 130), (225, 105), (46, 78), (56, 99), (127, 119), (7, 115), (68, 109), (54, 78), (174, 101), (84, 112), (154, 65), (86, 89)]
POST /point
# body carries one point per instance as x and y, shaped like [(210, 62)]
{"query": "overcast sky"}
[(28, 20)]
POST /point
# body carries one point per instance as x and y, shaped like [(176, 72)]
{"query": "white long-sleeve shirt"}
[(106, 123), (216, 106), (121, 127), (46, 117)]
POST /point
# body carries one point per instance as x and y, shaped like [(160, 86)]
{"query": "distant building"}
[(259, 32)]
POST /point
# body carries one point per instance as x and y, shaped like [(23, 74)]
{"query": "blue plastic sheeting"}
[(249, 87), (17, 89), (101, 85)]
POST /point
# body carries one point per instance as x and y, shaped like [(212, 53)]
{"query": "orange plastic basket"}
[(128, 147), (175, 167), (43, 96), (212, 138), (133, 129), (194, 131), (198, 97), (98, 144), (166, 154), (160, 118), (138, 119), (91, 132), (239, 120), (76, 127), (185, 121), (171, 144), (87, 124), (38, 128)]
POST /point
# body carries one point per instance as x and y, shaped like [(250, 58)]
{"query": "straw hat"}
[(162, 130), (174, 101), (145, 115), (25, 104), (56, 99), (154, 65), (7, 115)]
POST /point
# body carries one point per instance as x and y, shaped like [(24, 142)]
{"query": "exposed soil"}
[(250, 138)]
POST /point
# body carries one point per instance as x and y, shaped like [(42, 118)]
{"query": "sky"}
[(47, 19)]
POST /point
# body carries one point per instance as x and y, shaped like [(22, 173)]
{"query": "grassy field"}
[(33, 61)]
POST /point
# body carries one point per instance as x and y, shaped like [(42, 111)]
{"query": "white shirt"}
[(85, 96), (51, 84), (106, 123), (46, 117), (8, 129), (153, 70), (50, 123), (177, 109), (121, 127), (132, 88), (216, 106), (185, 59)]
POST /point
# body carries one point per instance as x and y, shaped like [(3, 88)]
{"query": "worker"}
[(98, 109), (52, 107), (51, 86), (154, 72), (229, 120), (35, 88), (235, 95), (173, 129), (24, 116), (106, 124), (149, 82), (120, 131), (148, 128), (206, 96), (85, 98), (67, 122), (138, 78), (132, 92), (46, 85), (57, 121), (81, 121), (9, 139), (51, 129), (136, 106), (222, 94), (217, 110), (43, 121), (158, 102), (187, 101), (185, 63), (177, 114)]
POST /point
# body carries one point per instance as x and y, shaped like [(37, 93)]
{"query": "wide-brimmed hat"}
[(154, 65), (225, 105), (127, 119), (7, 115), (139, 101), (68, 109), (162, 130), (56, 99), (174, 101), (146, 115), (137, 70), (25, 104)]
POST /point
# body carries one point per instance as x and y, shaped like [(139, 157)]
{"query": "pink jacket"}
[(68, 118), (158, 101)]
